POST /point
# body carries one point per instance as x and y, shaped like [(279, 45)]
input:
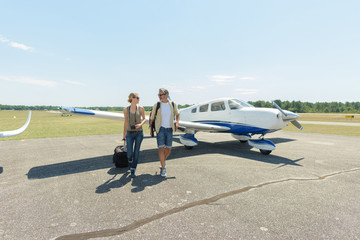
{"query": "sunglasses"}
[(136, 97), (161, 94)]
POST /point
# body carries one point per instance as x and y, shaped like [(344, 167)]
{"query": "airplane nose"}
[(290, 116)]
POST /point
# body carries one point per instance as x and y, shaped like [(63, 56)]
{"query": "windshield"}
[(238, 104)]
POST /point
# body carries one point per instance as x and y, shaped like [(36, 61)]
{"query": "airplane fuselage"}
[(237, 115)]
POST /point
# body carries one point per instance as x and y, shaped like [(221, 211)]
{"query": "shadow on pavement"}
[(231, 148), (139, 183)]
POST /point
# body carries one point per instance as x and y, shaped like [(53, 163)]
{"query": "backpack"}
[(120, 158), (152, 126)]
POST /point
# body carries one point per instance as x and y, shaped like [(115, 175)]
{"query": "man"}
[(164, 125)]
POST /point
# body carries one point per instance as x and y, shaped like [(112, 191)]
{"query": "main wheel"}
[(265, 152)]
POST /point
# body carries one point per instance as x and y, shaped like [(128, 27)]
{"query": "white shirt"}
[(165, 115)]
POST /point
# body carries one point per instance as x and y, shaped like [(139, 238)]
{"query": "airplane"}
[(226, 115), (17, 131)]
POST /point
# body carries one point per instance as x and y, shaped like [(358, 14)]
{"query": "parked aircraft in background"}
[(18, 131), (226, 115)]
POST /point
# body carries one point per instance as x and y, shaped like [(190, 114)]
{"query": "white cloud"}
[(3, 39), (198, 87), (246, 91), (16, 44), (21, 46), (29, 80), (222, 79), (75, 83), (247, 78), (174, 89)]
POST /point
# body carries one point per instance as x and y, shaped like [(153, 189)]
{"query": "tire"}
[(265, 152)]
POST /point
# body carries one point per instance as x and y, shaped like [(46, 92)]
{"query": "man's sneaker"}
[(132, 174), (163, 172)]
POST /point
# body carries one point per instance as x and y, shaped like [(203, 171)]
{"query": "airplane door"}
[(236, 115)]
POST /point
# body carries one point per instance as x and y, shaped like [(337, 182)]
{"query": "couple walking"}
[(163, 114)]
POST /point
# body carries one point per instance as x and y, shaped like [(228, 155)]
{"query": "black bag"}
[(119, 158)]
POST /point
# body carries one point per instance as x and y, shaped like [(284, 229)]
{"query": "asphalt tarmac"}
[(68, 188)]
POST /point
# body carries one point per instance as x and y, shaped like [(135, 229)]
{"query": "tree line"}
[(294, 106)]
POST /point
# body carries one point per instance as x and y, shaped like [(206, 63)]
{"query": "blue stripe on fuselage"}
[(239, 128)]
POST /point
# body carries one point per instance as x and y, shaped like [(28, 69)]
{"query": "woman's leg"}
[(138, 139), (130, 146)]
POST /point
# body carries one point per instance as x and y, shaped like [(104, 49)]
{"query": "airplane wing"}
[(183, 125), (93, 113), (201, 127), (17, 131)]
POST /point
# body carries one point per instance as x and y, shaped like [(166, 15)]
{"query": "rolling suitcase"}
[(119, 158)]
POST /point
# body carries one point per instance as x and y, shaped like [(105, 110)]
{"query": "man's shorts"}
[(164, 137)]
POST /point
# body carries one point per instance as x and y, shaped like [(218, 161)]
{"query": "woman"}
[(133, 133)]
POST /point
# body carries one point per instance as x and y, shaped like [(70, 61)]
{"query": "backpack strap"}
[(157, 108), (128, 113)]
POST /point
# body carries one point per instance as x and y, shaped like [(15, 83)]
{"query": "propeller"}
[(290, 116)]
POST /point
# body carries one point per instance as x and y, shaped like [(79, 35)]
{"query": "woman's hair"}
[(131, 95)]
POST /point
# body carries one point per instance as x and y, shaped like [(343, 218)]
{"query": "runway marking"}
[(322, 143), (331, 123), (142, 222)]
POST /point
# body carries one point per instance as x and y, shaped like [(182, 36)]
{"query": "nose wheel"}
[(265, 152)]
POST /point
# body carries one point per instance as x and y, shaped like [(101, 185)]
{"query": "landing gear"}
[(243, 141), (265, 152), (188, 140)]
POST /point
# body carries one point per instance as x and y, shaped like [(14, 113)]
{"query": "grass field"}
[(50, 125)]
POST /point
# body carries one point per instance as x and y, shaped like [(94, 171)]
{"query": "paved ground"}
[(331, 123), (67, 188)]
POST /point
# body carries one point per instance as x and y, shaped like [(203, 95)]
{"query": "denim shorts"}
[(164, 137)]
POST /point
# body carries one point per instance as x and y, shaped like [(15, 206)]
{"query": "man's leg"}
[(167, 153), (168, 142), (162, 157)]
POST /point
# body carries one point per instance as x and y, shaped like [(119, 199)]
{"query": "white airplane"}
[(227, 115), (17, 131)]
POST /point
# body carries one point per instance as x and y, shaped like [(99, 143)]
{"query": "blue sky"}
[(94, 53)]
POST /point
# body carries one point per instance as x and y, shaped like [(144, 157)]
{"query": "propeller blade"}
[(277, 106), (297, 124)]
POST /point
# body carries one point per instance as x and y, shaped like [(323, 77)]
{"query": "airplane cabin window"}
[(234, 105), (203, 108), (218, 106), (237, 104), (193, 110)]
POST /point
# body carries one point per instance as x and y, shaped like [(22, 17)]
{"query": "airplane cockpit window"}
[(218, 106), (237, 104), (204, 108), (193, 110)]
